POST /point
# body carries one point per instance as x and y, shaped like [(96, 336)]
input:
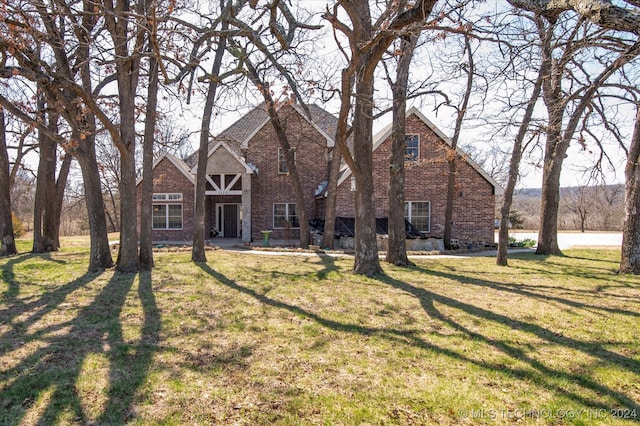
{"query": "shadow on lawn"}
[(540, 373), (544, 376), (10, 296), (55, 368)]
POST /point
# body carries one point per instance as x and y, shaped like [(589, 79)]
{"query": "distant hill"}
[(593, 208)]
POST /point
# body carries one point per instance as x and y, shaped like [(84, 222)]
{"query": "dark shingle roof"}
[(241, 130), (248, 124)]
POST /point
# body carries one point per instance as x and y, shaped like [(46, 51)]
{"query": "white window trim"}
[(287, 215), (408, 217), (407, 136), (166, 196), (166, 216)]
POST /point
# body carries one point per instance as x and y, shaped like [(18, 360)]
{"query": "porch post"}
[(246, 207)]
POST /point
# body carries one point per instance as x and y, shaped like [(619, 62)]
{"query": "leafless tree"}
[(630, 258), (7, 240), (146, 206), (397, 252), (368, 38), (213, 80), (561, 55)]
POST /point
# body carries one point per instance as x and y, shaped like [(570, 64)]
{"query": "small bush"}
[(18, 228), (527, 242)]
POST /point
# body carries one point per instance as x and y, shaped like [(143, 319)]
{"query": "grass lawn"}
[(251, 339)]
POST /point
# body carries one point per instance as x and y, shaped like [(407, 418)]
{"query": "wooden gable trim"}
[(222, 144)]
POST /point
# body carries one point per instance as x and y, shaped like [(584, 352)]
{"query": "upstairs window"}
[(412, 150), (283, 169)]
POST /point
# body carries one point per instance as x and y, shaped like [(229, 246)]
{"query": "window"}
[(167, 197), (285, 216), (412, 150), (282, 162), (419, 214), (167, 215)]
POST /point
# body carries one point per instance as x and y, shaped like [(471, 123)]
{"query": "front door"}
[(230, 221)]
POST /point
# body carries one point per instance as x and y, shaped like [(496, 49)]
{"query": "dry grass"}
[(251, 339)]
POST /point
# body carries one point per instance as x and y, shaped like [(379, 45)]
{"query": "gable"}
[(222, 161), (428, 127), (245, 129), (167, 161)]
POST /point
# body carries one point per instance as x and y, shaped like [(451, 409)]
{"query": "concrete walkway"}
[(236, 245), (565, 240)]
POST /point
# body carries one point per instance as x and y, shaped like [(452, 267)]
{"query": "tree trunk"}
[(61, 184), (289, 154), (198, 249), (146, 240), (128, 252), (397, 252), (514, 171), (558, 140), (100, 254), (44, 207), (451, 181), (366, 51), (7, 241), (366, 261), (328, 233), (630, 256), (555, 152)]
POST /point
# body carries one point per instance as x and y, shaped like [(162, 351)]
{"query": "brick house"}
[(249, 190), (427, 172)]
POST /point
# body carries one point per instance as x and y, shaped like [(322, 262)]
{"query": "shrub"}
[(18, 228)]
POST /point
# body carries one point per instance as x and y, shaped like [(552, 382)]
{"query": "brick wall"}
[(168, 179), (426, 180), (269, 187)]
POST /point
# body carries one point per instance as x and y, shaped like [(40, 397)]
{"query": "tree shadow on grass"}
[(539, 373), (535, 370), (47, 379), (8, 275)]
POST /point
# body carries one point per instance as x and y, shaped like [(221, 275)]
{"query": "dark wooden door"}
[(230, 220)]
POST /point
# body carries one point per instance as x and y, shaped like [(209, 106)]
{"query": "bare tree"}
[(198, 251), (397, 252), (146, 221), (516, 157), (67, 90), (49, 189), (7, 241), (560, 132), (580, 201), (368, 40), (630, 258), (469, 69)]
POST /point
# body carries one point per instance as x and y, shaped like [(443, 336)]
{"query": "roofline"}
[(383, 134), (330, 141), (222, 143), (178, 163)]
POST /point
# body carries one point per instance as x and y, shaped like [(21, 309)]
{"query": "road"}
[(575, 239)]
